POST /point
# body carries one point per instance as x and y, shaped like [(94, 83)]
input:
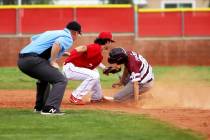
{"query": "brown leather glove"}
[(110, 69)]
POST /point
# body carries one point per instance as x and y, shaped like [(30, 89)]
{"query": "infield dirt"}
[(186, 105)]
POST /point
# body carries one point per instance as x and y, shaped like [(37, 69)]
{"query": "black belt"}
[(28, 54)]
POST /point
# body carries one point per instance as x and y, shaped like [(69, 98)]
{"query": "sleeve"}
[(134, 66), (135, 77), (102, 66), (34, 37), (73, 54), (93, 50), (64, 42)]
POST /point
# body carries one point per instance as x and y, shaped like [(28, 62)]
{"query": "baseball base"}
[(109, 98)]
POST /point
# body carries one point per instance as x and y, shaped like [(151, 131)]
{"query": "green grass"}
[(87, 125), (92, 125), (183, 74), (12, 78)]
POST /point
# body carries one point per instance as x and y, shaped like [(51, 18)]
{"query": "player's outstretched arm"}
[(81, 49), (66, 54), (121, 79), (102, 66)]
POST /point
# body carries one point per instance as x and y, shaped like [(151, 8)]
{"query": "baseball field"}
[(178, 107)]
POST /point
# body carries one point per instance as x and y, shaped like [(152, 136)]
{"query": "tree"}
[(13, 2), (37, 1), (120, 1), (9, 2)]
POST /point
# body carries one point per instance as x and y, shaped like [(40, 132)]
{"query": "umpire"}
[(38, 60)]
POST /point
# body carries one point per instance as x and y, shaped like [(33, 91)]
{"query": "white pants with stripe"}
[(90, 78)]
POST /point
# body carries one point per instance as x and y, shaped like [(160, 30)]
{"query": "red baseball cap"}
[(106, 35)]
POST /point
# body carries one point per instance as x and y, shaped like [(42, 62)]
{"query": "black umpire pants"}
[(40, 69)]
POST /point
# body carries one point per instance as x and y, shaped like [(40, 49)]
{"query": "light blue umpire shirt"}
[(43, 41)]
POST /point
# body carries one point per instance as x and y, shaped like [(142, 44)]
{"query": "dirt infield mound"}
[(185, 106), (178, 95)]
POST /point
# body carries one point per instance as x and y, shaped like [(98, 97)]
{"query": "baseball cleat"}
[(36, 111), (50, 110), (76, 101)]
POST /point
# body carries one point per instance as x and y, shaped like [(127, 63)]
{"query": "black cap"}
[(75, 26)]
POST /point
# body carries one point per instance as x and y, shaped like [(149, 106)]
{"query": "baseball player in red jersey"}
[(136, 68), (81, 65)]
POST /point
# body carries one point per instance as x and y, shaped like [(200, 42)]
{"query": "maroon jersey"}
[(89, 59), (138, 65)]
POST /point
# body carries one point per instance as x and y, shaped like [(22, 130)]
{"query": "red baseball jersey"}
[(89, 59), (138, 64)]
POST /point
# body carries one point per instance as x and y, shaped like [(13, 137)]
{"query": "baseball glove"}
[(112, 70)]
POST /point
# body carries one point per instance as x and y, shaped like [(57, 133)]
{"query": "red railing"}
[(39, 20), (114, 18), (174, 22), (106, 19), (160, 24), (8, 21), (197, 23)]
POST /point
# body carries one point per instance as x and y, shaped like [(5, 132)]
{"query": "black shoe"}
[(37, 109), (50, 110)]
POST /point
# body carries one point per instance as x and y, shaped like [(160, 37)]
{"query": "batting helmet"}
[(117, 55)]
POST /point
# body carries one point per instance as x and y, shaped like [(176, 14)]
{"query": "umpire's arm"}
[(54, 52)]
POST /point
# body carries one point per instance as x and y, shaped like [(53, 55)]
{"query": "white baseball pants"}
[(90, 78)]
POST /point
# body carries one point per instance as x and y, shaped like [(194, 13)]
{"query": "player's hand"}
[(66, 54), (106, 71), (54, 64)]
